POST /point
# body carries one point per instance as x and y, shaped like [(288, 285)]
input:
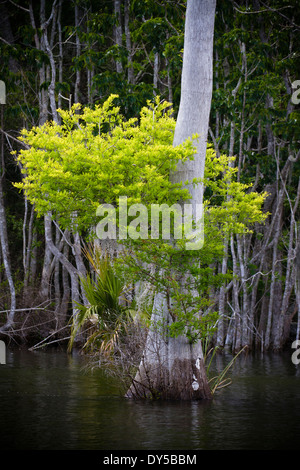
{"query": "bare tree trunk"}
[(237, 338), (43, 95), (170, 88), (60, 58), (90, 70), (130, 73), (4, 240), (118, 32), (57, 296), (155, 72), (284, 319), (51, 88), (79, 262), (65, 285), (268, 338), (33, 258), (6, 261), (46, 271), (28, 240), (77, 81), (245, 301), (222, 297), (173, 367), (65, 262)]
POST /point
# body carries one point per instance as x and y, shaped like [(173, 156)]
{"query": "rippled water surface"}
[(48, 401)]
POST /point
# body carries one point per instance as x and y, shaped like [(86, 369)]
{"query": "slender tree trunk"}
[(118, 32), (173, 368), (60, 58), (130, 72), (51, 88), (237, 338), (268, 338), (284, 318), (46, 270), (42, 94), (222, 297), (27, 242), (78, 47), (4, 240), (33, 258), (57, 297), (155, 72), (6, 261), (65, 262), (65, 285)]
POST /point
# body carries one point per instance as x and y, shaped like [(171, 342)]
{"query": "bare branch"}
[(19, 6)]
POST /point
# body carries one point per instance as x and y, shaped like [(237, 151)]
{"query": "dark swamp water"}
[(49, 401)]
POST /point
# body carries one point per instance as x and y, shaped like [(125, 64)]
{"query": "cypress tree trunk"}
[(173, 368)]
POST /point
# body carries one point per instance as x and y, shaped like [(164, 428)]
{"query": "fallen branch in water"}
[(41, 345)]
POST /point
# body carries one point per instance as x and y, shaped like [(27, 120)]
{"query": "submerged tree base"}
[(170, 369), (185, 382)]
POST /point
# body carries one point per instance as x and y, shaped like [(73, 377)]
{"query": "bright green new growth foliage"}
[(94, 156)]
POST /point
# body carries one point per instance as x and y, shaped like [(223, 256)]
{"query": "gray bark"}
[(48, 49), (42, 95), (118, 31), (6, 261), (196, 89), (4, 241), (78, 48), (65, 262), (130, 76), (173, 367), (27, 242)]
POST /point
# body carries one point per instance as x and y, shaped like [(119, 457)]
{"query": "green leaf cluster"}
[(231, 206), (95, 156)]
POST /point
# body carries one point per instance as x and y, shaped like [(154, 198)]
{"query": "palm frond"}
[(104, 291)]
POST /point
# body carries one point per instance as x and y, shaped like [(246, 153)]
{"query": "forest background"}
[(55, 54)]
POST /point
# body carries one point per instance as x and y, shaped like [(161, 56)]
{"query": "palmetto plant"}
[(105, 315)]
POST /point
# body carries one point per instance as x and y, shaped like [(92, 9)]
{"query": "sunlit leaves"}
[(95, 156)]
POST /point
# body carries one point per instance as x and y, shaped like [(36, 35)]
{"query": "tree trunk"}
[(73, 272), (118, 32), (6, 261), (48, 49), (173, 368), (4, 240), (130, 72), (78, 47)]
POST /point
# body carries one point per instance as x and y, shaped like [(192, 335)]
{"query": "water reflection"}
[(49, 401)]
